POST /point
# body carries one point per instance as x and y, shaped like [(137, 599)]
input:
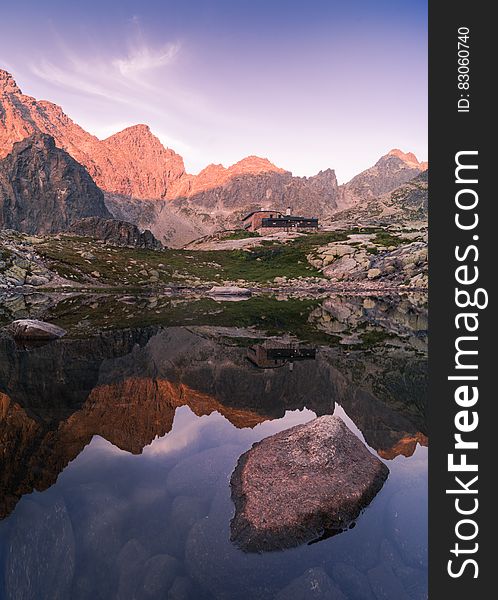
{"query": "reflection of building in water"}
[(266, 356)]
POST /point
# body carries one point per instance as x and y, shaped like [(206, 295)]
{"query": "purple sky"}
[(307, 85)]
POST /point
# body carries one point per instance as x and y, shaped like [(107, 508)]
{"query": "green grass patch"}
[(374, 337), (385, 238), (240, 234)]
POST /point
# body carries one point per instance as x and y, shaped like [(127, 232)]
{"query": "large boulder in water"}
[(304, 483)]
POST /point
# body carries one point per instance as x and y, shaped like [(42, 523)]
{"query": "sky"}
[(309, 85)]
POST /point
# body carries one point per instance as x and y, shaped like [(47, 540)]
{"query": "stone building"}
[(274, 220)]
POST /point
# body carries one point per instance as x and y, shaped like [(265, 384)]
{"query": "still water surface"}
[(117, 451)]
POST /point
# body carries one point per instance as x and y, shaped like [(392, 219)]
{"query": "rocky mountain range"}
[(133, 168), (407, 203), (388, 173), (131, 162)]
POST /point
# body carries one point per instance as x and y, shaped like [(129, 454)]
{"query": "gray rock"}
[(352, 582), (185, 512), (229, 291), (131, 553), (388, 173), (131, 566), (198, 474), (43, 189), (159, 574), (31, 329), (36, 280), (338, 250), (302, 483), (16, 274), (373, 273), (40, 557), (315, 584), (116, 233), (410, 539), (99, 523), (182, 589), (414, 580), (341, 267), (385, 584), (213, 562)]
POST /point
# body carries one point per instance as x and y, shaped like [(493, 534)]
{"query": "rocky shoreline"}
[(290, 291)]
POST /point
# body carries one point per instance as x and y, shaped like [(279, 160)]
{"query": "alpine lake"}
[(118, 442)]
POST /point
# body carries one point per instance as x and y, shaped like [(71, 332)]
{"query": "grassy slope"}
[(79, 259)]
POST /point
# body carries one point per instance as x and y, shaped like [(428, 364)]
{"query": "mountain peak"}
[(255, 164), (36, 140), (137, 131), (132, 162), (407, 157), (8, 84)]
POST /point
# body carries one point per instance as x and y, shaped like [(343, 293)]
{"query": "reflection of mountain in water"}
[(125, 386)]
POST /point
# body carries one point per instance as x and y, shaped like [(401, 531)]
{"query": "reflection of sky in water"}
[(135, 526)]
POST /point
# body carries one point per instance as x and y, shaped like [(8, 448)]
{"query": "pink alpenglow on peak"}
[(151, 166), (253, 165), (409, 158), (216, 176), (8, 84), (132, 162)]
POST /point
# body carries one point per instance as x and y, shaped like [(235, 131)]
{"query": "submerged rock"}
[(352, 582), (314, 584), (40, 553), (299, 485), (31, 329)]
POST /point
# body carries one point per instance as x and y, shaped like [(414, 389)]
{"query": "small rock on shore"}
[(31, 329)]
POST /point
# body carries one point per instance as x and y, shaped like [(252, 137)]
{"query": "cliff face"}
[(43, 189), (132, 162), (140, 166), (217, 176)]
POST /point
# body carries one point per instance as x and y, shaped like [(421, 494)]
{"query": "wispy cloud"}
[(141, 55), (136, 78), (144, 59), (140, 83)]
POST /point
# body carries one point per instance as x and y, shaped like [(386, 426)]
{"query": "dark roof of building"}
[(263, 211)]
